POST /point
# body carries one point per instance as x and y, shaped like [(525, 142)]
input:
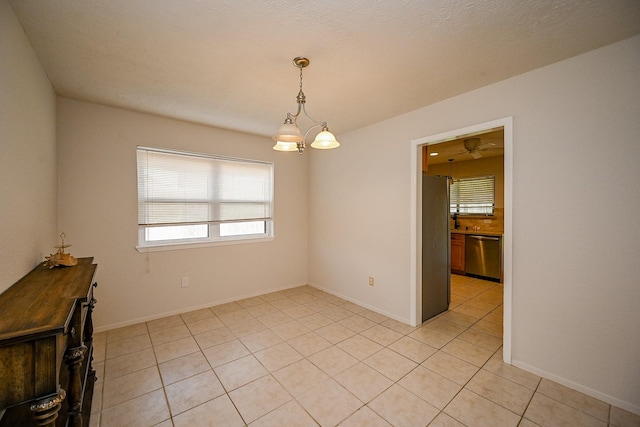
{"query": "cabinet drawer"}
[(455, 237)]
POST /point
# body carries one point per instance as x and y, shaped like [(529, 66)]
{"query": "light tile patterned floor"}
[(302, 357)]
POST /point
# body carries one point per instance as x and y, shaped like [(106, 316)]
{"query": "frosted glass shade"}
[(285, 146), (288, 132), (325, 141)]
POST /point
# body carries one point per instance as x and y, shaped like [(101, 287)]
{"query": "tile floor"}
[(302, 357)]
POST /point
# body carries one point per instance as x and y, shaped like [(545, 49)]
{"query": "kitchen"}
[(475, 165)]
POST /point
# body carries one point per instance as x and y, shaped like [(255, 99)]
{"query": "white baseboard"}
[(188, 309), (361, 304), (627, 406)]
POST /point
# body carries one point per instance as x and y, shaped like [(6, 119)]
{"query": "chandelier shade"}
[(325, 140), (285, 146), (289, 137)]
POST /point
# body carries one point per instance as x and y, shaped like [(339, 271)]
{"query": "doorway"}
[(416, 216)]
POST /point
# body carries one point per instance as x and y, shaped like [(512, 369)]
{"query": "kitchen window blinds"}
[(473, 195), (184, 189)]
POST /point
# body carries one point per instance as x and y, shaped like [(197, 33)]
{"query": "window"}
[(473, 195), (186, 198)]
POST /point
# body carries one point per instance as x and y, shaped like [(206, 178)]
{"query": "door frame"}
[(416, 223)]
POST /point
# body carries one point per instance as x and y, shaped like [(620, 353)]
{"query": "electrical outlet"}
[(185, 282), (371, 281)]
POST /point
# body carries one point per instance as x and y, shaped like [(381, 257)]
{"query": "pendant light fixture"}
[(289, 138)]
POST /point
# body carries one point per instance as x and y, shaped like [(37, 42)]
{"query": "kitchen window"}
[(187, 199), (473, 195)]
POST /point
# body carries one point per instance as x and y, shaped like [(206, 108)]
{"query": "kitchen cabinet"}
[(457, 253)]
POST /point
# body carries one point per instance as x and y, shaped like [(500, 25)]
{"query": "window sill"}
[(195, 245)]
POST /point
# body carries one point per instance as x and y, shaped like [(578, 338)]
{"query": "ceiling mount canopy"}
[(289, 137)]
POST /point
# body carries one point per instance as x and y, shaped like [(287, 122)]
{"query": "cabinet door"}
[(457, 254)]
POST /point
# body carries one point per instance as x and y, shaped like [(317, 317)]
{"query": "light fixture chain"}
[(301, 98), (289, 132), (300, 79)]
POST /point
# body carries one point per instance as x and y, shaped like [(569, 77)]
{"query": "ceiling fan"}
[(474, 146)]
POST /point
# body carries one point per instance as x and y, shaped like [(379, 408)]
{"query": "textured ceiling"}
[(486, 144), (227, 63)]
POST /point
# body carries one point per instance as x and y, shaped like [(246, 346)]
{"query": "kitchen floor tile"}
[(128, 363), (501, 391), (259, 397), (309, 344), (575, 399), (332, 360), (360, 347), (363, 381), (329, 403), (193, 391), (204, 324), (260, 340), (290, 330), (121, 389), (400, 407), (431, 337), (547, 412), (474, 410), (412, 349), (175, 349), (300, 377), (127, 332), (497, 366), (430, 387), (290, 414), (225, 353), (278, 356), (225, 415), (451, 367), (468, 352), (166, 335), (164, 322), (240, 372), (364, 417), (214, 337), (481, 339), (183, 367), (303, 357), (335, 333), (444, 420), (390, 364), (195, 315), (382, 335), (146, 410), (621, 418), (127, 345), (357, 323)]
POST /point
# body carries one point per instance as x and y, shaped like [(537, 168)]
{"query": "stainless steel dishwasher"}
[(483, 256)]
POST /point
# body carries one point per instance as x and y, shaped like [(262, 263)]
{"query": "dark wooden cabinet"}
[(46, 347), (457, 253)]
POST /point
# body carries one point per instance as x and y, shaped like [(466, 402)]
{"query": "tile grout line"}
[(356, 333)]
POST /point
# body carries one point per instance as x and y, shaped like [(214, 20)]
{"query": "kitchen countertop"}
[(477, 232)]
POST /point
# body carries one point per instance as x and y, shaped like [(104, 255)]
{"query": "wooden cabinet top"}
[(41, 302)]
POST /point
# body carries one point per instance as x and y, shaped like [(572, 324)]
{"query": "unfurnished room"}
[(319, 213)]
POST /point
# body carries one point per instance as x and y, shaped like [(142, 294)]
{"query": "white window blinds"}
[(183, 188), (473, 195)]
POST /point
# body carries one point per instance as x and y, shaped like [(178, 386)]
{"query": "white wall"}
[(98, 211), (576, 192), (28, 186)]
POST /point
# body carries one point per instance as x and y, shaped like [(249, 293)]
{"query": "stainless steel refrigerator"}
[(436, 246)]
